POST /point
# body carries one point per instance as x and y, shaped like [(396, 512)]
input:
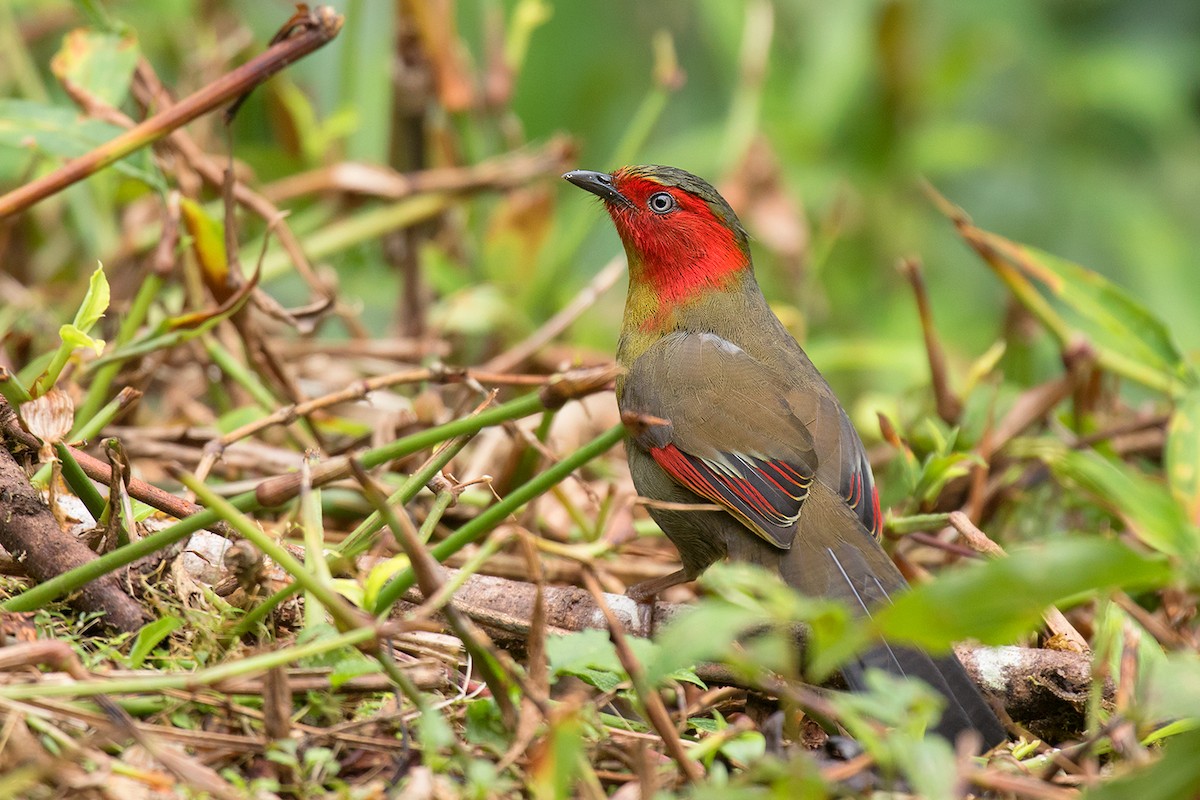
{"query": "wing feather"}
[(765, 495), (744, 436)]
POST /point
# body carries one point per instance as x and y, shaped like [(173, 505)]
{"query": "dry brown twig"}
[(429, 574), (32, 534), (318, 28), (949, 405), (656, 712), (360, 389), (516, 355)]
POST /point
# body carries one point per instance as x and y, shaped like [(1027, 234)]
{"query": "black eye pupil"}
[(661, 202)]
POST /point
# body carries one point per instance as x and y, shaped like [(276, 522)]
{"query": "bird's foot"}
[(645, 591)]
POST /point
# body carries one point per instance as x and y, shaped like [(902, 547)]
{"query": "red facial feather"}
[(682, 252)]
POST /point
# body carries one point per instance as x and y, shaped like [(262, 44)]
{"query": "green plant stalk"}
[(190, 680), (488, 520), (13, 390), (406, 686), (241, 376), (472, 565), (343, 613), (29, 373), (362, 537), (745, 103), (20, 64), (441, 502), (105, 375), (529, 458), (45, 593), (79, 483), (314, 551), (90, 427), (255, 615), (489, 669), (514, 409), (61, 356), (593, 532), (917, 522), (574, 512)]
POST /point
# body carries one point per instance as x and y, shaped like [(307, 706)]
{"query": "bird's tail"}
[(853, 568), (965, 708)]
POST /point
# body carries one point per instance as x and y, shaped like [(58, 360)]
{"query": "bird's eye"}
[(661, 202)]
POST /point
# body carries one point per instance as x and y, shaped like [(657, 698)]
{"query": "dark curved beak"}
[(599, 184)]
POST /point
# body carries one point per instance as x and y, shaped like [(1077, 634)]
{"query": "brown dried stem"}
[(650, 700), (320, 27), (949, 406)]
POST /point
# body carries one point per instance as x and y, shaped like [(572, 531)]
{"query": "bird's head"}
[(680, 236)]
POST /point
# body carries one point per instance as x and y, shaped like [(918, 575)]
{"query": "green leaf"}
[(60, 132), (587, 655), (554, 771), (485, 725), (908, 709), (1146, 505), (149, 637), (208, 243), (1127, 338), (352, 667), (999, 600), (941, 469), (754, 608), (1110, 316), (101, 63), (701, 634), (378, 577), (1169, 688), (74, 338), (590, 656), (1183, 455), (95, 302)]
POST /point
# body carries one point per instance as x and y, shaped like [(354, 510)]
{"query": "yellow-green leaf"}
[(1183, 455), (208, 243), (99, 62), (73, 337), (95, 302)]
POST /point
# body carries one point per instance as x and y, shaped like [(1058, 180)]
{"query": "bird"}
[(733, 414)]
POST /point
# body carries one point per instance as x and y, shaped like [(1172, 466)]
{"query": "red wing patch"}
[(765, 495), (859, 492)]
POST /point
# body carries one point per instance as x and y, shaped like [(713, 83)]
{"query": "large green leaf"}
[(590, 656), (1145, 504), (1128, 339), (758, 611), (997, 601), (1110, 316)]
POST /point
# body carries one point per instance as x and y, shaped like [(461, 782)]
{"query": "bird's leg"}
[(645, 591)]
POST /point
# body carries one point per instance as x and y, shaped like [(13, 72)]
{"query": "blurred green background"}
[(1071, 125)]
